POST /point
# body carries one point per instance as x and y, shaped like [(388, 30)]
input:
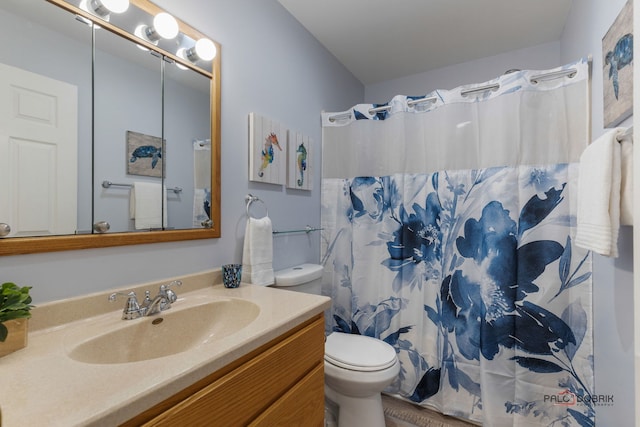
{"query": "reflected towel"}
[(599, 190), (257, 265), (146, 201)]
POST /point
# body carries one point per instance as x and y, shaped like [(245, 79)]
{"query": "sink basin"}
[(170, 332)]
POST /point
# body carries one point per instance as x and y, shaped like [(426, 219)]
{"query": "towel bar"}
[(107, 184), (308, 229)]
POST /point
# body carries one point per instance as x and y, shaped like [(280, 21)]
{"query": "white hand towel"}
[(146, 201), (257, 253), (598, 213)]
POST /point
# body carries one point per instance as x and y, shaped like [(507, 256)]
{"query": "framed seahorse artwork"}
[(617, 73), (144, 154), (267, 150), (299, 171)]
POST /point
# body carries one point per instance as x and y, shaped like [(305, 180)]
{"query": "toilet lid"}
[(358, 352)]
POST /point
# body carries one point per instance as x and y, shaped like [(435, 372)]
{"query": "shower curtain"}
[(448, 233)]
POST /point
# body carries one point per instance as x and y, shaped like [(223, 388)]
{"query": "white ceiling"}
[(379, 40)]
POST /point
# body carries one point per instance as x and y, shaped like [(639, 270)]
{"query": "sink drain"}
[(157, 321)]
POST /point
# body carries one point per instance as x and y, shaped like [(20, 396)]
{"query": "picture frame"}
[(617, 72), (144, 154), (300, 161), (267, 150)]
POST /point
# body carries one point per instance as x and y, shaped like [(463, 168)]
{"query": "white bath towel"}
[(599, 191), (146, 202), (626, 181), (257, 254)]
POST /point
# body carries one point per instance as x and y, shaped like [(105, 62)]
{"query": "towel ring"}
[(250, 198)]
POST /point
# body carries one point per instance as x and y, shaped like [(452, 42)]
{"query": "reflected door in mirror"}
[(38, 153), (45, 158)]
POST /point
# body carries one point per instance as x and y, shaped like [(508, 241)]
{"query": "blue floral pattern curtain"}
[(471, 274)]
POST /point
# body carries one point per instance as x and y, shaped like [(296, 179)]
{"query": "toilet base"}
[(357, 411)]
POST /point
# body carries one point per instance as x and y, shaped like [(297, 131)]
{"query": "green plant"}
[(15, 303)]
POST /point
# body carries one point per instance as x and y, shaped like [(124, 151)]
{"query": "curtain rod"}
[(552, 75)]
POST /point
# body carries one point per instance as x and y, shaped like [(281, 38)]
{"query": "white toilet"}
[(356, 368)]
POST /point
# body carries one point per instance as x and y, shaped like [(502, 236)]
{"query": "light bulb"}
[(103, 8), (181, 54), (166, 25), (148, 34), (206, 49)]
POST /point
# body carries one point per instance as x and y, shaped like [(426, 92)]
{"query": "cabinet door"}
[(303, 405), (242, 395)]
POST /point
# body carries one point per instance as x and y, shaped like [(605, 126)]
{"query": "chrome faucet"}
[(149, 306)]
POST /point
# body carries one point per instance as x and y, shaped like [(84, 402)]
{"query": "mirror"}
[(189, 125), (187, 117), (127, 108), (34, 129)]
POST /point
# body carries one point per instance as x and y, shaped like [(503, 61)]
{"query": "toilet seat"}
[(358, 352)]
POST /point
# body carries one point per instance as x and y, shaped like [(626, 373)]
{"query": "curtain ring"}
[(250, 198)]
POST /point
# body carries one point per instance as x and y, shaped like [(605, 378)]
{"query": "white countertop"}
[(42, 386)]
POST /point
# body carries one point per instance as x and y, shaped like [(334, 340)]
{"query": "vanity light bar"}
[(162, 32)]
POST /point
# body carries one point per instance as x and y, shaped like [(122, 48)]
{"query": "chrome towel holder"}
[(250, 198), (307, 229)]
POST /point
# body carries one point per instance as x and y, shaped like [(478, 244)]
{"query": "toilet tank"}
[(301, 278)]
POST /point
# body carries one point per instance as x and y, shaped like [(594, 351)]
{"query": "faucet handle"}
[(131, 308), (147, 299), (170, 295), (174, 283)]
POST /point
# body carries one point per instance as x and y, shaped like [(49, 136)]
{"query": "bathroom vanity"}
[(279, 384), (258, 361)]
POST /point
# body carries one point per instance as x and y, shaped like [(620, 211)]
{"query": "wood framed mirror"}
[(96, 238)]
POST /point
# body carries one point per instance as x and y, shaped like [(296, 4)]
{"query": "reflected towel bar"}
[(107, 184)]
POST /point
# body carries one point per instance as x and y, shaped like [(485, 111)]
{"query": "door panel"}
[(38, 153)]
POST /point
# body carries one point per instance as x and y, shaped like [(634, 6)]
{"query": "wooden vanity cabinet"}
[(279, 384)]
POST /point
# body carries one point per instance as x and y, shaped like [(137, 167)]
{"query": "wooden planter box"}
[(17, 337)]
